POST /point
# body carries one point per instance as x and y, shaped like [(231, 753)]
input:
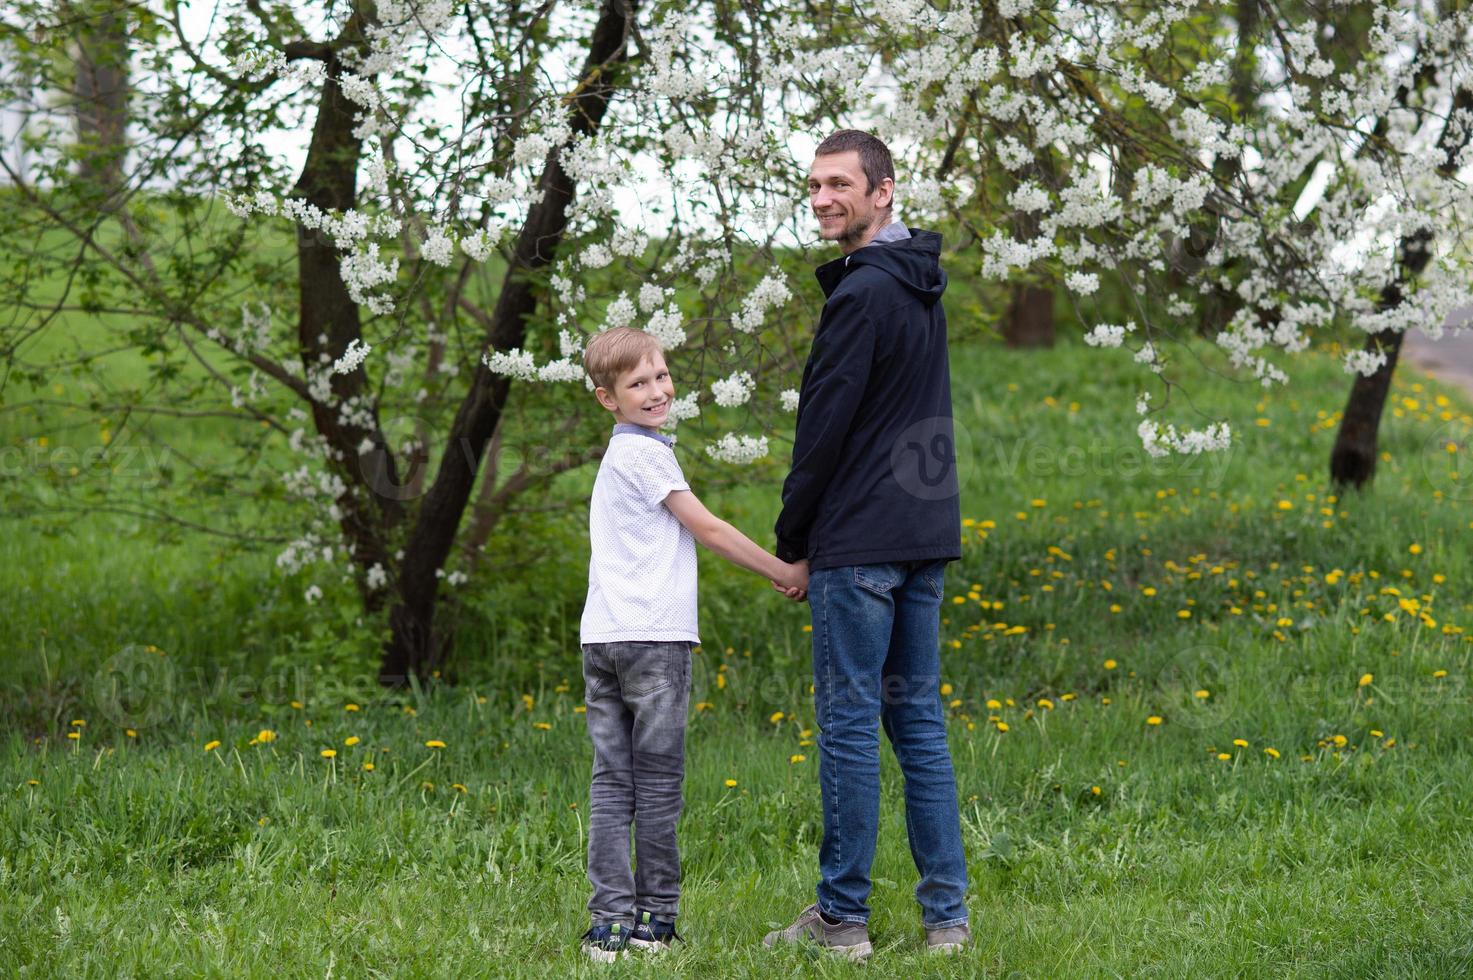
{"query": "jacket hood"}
[(914, 262)]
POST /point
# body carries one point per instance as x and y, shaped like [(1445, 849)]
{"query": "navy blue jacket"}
[(874, 465)]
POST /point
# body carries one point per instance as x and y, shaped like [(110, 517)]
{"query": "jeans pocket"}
[(935, 576), (879, 579), (648, 669)]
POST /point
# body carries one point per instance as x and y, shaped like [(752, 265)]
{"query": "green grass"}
[(151, 855)]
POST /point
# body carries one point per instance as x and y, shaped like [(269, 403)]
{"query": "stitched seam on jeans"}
[(828, 666)]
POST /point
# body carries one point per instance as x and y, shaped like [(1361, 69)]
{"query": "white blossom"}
[(353, 356), (733, 390), (741, 450)]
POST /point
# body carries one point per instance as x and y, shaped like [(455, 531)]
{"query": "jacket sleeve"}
[(833, 390)]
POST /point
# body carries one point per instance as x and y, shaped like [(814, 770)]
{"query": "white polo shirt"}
[(642, 572)]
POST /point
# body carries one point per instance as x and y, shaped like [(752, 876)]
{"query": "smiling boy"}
[(639, 624)]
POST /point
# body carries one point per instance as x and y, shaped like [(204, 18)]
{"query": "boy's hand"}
[(794, 585)]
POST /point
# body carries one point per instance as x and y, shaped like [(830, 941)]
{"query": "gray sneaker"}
[(950, 939), (848, 938)]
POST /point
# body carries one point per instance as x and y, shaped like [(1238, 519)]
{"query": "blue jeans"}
[(877, 661)]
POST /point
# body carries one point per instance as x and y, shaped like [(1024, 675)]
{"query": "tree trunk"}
[(412, 647), (328, 321), (1353, 460), (1030, 317), (101, 98)]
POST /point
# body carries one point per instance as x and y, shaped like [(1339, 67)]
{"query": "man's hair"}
[(611, 353), (874, 155)]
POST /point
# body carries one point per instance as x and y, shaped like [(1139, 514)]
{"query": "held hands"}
[(794, 584)]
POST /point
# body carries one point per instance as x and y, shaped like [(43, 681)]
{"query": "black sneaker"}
[(653, 935), (606, 943)]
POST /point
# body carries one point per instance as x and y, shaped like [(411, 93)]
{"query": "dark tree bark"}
[(102, 54), (328, 321), (1030, 317), (412, 647), (1353, 458)]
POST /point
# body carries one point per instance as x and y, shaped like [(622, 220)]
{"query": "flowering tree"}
[(485, 184)]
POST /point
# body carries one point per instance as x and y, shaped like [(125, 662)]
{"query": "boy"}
[(639, 624)]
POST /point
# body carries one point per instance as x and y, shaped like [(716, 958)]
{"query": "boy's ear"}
[(606, 399)]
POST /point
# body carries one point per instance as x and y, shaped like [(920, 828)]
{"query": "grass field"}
[(1209, 719)]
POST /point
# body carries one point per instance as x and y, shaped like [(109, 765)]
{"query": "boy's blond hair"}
[(611, 353)]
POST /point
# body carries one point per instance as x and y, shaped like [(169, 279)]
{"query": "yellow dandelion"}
[(76, 736), (1202, 695), (130, 733), (350, 706), (1375, 733), (368, 767), (1224, 756), (297, 705), (79, 723), (1271, 752), (1415, 548), (1183, 614), (1046, 703), (1241, 743), (776, 717), (730, 783), (1095, 790), (460, 787), (1002, 726), (542, 726), (1110, 665), (212, 745), (1439, 673), (328, 753), (265, 735), (794, 759), (993, 704), (946, 690), (1340, 741), (1153, 720), (351, 740), (434, 743), (1365, 680)]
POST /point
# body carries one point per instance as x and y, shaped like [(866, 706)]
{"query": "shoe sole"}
[(858, 952), (649, 945), (602, 955), (946, 949)]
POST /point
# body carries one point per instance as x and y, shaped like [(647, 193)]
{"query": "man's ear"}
[(606, 399), (886, 193)]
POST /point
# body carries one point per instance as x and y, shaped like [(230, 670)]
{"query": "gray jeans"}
[(637, 694)]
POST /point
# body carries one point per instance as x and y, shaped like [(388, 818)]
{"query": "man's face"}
[(642, 395), (847, 212)]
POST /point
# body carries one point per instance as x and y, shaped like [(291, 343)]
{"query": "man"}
[(872, 504)]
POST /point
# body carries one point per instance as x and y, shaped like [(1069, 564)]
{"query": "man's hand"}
[(794, 585)]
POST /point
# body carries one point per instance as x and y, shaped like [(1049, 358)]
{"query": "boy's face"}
[(641, 395)]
